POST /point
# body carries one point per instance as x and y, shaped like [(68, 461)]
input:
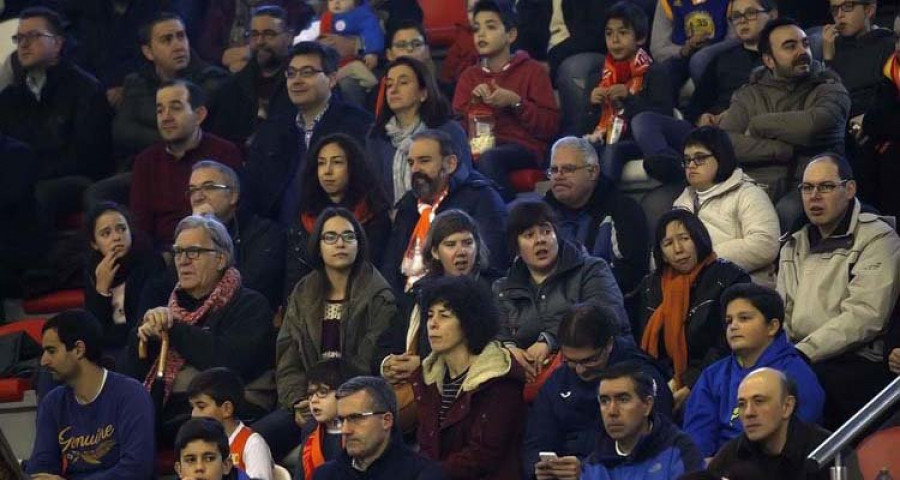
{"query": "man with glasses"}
[(279, 146), (838, 276), (373, 446), (565, 416), (161, 171), (258, 90), (591, 211), (259, 244)]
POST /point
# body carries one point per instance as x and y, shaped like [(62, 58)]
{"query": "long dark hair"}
[(360, 187), (694, 227), (434, 111)]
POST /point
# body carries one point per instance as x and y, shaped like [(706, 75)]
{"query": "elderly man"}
[(373, 445), (774, 439), (592, 213), (259, 244), (440, 182), (838, 276)]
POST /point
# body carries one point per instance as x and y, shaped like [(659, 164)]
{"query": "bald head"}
[(766, 401)]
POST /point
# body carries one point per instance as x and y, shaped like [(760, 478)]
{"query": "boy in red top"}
[(507, 102)]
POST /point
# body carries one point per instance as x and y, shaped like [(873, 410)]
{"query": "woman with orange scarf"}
[(680, 317), (336, 173)]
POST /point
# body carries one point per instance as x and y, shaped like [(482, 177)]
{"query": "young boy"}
[(217, 393), (355, 18), (507, 102), (201, 452), (322, 438)]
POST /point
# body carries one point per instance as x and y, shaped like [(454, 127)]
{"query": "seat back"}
[(878, 451), (441, 18)]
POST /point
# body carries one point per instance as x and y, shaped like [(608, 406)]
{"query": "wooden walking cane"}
[(163, 353)]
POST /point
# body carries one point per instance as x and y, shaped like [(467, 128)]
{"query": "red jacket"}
[(461, 55), (536, 122), (481, 436)]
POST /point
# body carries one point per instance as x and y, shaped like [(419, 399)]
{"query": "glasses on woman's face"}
[(749, 15), (699, 159), (331, 238)]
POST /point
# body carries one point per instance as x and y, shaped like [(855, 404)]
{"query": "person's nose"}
[(677, 246), (45, 360)]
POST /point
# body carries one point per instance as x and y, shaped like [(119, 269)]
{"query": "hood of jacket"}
[(508, 70), (661, 436), (818, 74), (492, 363), (775, 354), (860, 212)]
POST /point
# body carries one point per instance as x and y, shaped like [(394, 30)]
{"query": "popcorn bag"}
[(481, 129)]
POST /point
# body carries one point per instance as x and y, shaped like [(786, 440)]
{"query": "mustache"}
[(421, 177), (802, 60)]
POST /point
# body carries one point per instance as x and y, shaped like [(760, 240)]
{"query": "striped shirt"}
[(450, 391)]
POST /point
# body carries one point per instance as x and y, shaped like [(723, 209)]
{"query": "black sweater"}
[(859, 62)]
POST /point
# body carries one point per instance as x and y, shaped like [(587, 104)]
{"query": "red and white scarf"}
[(627, 72), (413, 265)]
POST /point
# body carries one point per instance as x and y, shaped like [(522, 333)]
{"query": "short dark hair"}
[(328, 56), (54, 20), (695, 228), (503, 8), (631, 16), (315, 250), (524, 215), (717, 142), (443, 139), (845, 171), (219, 383), (272, 11), (405, 24), (196, 95), (434, 111), (360, 187), (644, 385), (445, 224), (145, 33), (203, 429), (96, 211), (77, 325), (473, 305), (767, 5), (587, 325), (331, 372), (765, 41), (764, 299), (380, 391)]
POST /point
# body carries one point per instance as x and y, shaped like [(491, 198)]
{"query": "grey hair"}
[(381, 392), (232, 177), (216, 231), (581, 146)]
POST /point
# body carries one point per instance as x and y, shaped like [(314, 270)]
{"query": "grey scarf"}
[(401, 140)]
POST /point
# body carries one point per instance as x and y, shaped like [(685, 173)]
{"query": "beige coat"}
[(742, 223), (839, 296)]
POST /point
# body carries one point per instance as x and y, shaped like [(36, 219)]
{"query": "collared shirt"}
[(308, 130), (35, 81)]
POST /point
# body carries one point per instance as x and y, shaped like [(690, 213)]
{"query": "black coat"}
[(23, 238), (259, 246), (68, 128), (277, 154), (398, 462), (704, 327)]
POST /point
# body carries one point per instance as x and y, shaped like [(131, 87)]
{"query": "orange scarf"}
[(892, 70), (630, 73), (312, 457), (413, 265), (670, 316), (360, 212)]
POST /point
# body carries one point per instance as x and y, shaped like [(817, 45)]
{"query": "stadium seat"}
[(878, 451), (525, 180), (441, 18), (13, 389), (54, 302)]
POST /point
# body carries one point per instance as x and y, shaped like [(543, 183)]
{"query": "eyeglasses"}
[(846, 7), (565, 169), (23, 38), (331, 238), (305, 72), (823, 188), (206, 188), (355, 418), (265, 34), (748, 15), (191, 253), (321, 392), (699, 160), (409, 46), (584, 362)]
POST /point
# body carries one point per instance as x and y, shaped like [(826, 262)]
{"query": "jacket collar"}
[(603, 191), (842, 238), (733, 182), (794, 451), (649, 445), (493, 362), (817, 74), (779, 347), (570, 257)]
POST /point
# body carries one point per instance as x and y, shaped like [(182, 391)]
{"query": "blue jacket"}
[(565, 416), (710, 417), (361, 21), (665, 454)]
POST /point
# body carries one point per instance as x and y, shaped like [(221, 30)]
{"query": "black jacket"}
[(802, 439), (727, 72), (859, 62), (68, 128), (259, 246), (398, 462), (277, 154), (656, 96), (704, 328)]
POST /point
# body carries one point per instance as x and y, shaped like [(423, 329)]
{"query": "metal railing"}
[(834, 445)]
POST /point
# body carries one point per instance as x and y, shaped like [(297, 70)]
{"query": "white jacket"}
[(742, 223), (839, 296)]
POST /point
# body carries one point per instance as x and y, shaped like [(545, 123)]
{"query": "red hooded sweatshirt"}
[(532, 125)]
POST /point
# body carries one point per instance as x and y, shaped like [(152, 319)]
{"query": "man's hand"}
[(617, 92), (562, 468), (894, 361), (598, 95), (156, 321), (345, 46), (398, 368), (301, 413), (236, 58), (540, 354), (829, 35), (709, 120)]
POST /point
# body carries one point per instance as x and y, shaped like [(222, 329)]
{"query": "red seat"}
[(165, 462), (13, 389), (878, 451), (441, 18), (31, 326), (525, 180), (54, 302), (72, 221)]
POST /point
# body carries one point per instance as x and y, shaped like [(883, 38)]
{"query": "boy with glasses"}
[(322, 437)]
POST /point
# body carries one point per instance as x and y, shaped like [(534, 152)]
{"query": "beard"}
[(425, 187), (269, 60), (791, 70)]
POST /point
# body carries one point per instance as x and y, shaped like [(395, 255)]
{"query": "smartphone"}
[(547, 456)]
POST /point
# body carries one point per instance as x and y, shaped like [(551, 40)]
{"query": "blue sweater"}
[(665, 453), (110, 438), (710, 417), (361, 21)]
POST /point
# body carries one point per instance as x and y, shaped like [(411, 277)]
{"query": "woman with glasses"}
[(680, 320), (414, 103), (469, 389), (210, 318), (738, 214), (336, 174), (548, 275)]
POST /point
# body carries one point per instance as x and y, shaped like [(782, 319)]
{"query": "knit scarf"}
[(892, 70), (220, 296), (361, 213), (413, 265), (628, 72), (401, 139), (669, 318)]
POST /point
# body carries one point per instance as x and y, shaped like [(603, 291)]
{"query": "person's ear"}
[(387, 421), (851, 189), (178, 469), (80, 349), (148, 53), (768, 61), (434, 254), (451, 162), (201, 113), (773, 326), (513, 34), (228, 464), (389, 54), (789, 404), (332, 80), (648, 405), (228, 408)]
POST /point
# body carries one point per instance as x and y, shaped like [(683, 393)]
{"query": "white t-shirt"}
[(257, 456)]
